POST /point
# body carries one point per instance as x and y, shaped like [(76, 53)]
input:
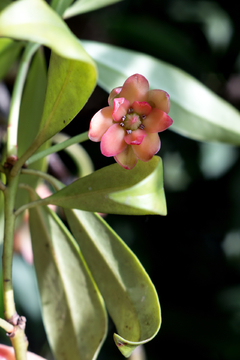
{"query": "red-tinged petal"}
[(141, 107), (157, 121), (159, 99), (113, 94), (150, 146), (135, 88), (100, 123), (120, 108), (135, 137), (127, 158), (113, 142)]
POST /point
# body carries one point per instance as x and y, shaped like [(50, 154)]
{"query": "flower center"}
[(132, 121)]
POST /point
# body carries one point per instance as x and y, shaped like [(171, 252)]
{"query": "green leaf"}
[(83, 6), (73, 310), (70, 84), (115, 190), (9, 51), (196, 111), (129, 294), (39, 23)]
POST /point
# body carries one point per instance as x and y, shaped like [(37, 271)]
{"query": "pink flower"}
[(128, 128)]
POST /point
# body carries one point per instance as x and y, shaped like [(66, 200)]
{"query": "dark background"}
[(193, 254)]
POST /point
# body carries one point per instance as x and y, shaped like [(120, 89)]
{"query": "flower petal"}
[(120, 108), (141, 107), (127, 158), (113, 141), (100, 123), (135, 88), (135, 137), (159, 99), (113, 94), (150, 145), (157, 121)]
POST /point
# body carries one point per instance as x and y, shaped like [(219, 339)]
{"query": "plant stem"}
[(31, 205), (6, 326), (12, 129), (55, 148), (19, 341)]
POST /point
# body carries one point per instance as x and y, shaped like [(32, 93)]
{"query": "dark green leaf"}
[(9, 51)]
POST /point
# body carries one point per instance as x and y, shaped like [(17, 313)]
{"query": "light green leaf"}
[(9, 51), (115, 190), (73, 310), (70, 84), (83, 6), (129, 294), (39, 23), (196, 111)]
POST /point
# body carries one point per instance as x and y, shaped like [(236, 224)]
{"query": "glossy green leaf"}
[(70, 84), (73, 310), (129, 294), (196, 111), (9, 51), (115, 190), (83, 6), (30, 117)]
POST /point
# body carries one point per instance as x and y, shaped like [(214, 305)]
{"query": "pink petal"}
[(135, 137), (141, 107), (113, 142), (120, 108), (150, 145), (7, 352), (157, 121), (135, 88), (113, 94), (127, 158), (159, 99), (100, 123)]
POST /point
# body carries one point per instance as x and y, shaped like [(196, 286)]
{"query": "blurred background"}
[(193, 254)]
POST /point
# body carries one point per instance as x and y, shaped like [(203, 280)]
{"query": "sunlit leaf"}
[(73, 310), (113, 189), (129, 294), (41, 24), (9, 51), (196, 111), (83, 6)]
